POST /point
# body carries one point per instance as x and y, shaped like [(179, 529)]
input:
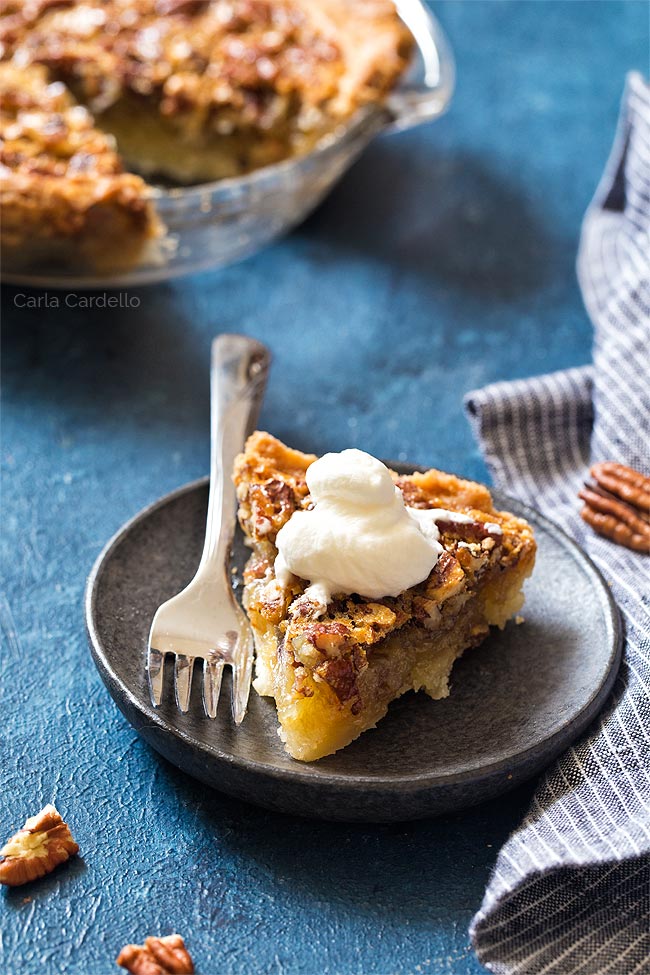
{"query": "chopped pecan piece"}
[(280, 494), (618, 505), (157, 956), (186, 8), (271, 505), (469, 531), (341, 674), (330, 638), (447, 578), (42, 844)]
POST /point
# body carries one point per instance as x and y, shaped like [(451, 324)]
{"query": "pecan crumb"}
[(157, 956), (42, 844)]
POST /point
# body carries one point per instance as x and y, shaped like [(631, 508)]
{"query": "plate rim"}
[(415, 782)]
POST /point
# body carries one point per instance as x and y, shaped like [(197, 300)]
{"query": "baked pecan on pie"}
[(334, 673), (191, 90)]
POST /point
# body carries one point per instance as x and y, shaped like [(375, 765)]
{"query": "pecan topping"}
[(272, 503), (330, 638), (41, 845), (280, 494), (446, 579), (157, 956), (469, 531), (617, 506)]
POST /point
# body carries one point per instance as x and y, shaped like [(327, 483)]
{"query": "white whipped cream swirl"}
[(359, 536)]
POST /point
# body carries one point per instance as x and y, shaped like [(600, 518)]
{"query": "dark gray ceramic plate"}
[(516, 702)]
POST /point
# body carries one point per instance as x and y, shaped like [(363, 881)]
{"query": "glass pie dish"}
[(215, 224)]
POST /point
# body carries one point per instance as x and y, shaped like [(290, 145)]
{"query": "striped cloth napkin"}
[(570, 892)]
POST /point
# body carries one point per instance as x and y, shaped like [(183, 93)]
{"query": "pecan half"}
[(624, 482), (42, 844), (618, 505), (157, 956)]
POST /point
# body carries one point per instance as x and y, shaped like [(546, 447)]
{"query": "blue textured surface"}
[(444, 260)]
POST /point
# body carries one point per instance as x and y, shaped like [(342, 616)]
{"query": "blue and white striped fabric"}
[(570, 892)]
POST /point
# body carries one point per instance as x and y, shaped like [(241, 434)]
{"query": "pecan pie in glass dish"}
[(334, 661), (100, 95)]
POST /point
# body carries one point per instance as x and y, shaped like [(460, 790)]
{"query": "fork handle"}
[(238, 375)]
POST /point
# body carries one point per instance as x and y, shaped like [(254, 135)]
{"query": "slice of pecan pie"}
[(334, 672)]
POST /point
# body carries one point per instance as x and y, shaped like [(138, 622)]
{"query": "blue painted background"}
[(444, 260)]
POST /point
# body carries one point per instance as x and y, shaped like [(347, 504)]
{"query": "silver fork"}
[(205, 621)]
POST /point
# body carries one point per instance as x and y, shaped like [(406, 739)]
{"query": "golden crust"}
[(475, 583)]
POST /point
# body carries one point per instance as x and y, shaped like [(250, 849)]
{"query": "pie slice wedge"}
[(333, 674)]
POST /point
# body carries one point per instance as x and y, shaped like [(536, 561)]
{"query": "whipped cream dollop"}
[(359, 536)]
